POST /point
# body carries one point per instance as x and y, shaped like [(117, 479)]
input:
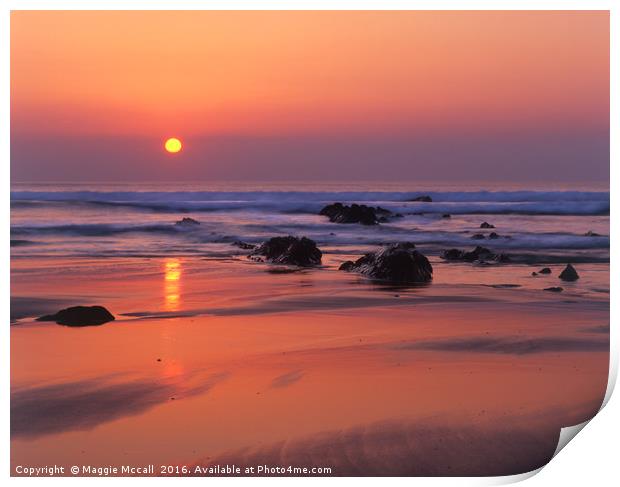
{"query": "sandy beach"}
[(227, 361)]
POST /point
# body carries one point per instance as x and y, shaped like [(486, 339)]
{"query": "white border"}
[(591, 459)]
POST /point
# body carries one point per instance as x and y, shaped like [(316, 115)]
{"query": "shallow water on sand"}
[(220, 360)]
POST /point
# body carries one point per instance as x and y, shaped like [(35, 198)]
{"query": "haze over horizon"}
[(339, 96)]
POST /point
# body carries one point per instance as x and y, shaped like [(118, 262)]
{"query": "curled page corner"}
[(567, 434)]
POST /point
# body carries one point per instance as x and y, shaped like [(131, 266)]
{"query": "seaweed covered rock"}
[(301, 252), (486, 225), (481, 254), (366, 215), (80, 316), (569, 274), (397, 263)]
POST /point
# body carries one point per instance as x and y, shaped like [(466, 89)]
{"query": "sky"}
[(320, 96)]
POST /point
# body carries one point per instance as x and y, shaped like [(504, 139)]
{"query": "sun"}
[(173, 145)]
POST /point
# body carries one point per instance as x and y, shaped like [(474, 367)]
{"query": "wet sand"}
[(214, 361)]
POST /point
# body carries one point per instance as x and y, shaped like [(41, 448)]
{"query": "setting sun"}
[(173, 145)]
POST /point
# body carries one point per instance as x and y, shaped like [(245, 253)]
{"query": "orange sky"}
[(262, 73)]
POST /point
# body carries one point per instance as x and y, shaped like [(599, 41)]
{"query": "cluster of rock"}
[(301, 252), (479, 254), (480, 236), (366, 215), (394, 263)]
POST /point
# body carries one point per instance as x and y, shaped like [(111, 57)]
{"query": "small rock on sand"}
[(569, 274), (554, 289), (80, 316), (396, 263)]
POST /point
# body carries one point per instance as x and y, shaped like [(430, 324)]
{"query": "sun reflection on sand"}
[(172, 284)]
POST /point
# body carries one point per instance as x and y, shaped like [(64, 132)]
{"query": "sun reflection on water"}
[(172, 284)]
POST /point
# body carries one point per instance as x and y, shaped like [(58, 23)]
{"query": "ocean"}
[(138, 220)]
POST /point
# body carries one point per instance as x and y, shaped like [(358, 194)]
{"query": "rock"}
[(554, 289), (486, 225), (366, 215), (425, 198), (20, 243), (446, 215), (569, 274), (244, 245), (544, 270), (478, 236), (187, 222), (301, 252), (80, 316), (396, 263), (592, 234), (480, 254), (346, 265), (493, 235), (534, 273)]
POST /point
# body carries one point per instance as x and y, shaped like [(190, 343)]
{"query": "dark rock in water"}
[(544, 270), (20, 243), (425, 198), (80, 316), (366, 215), (569, 274), (244, 245), (486, 225), (289, 250), (347, 265), (453, 254), (446, 215), (493, 235), (534, 273), (396, 263), (187, 222), (554, 289), (592, 234), (478, 236), (481, 254)]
